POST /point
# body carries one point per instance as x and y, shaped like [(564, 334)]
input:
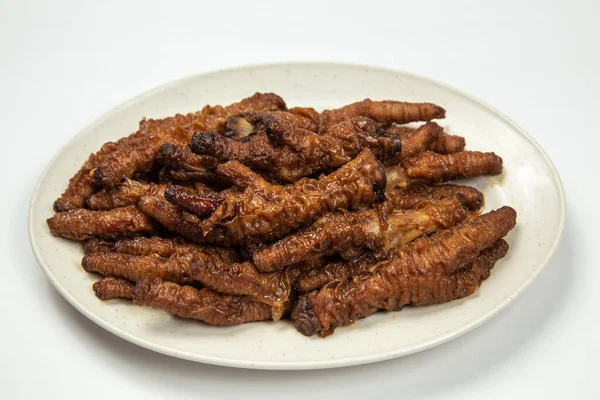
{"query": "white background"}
[(63, 63)]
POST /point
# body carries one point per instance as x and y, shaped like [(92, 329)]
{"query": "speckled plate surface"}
[(529, 184)]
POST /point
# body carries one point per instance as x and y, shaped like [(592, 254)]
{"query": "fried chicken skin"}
[(242, 125), (436, 167), (430, 167), (155, 245), (121, 159), (288, 152), (415, 141), (442, 143), (95, 245), (448, 144), (112, 224), (391, 284), (353, 233), (338, 145), (205, 304), (133, 268), (265, 212), (172, 217), (113, 288), (81, 185), (417, 289), (313, 279), (203, 205), (129, 192), (139, 153), (412, 196), (182, 158), (144, 246), (385, 113), (254, 212), (274, 289), (256, 151)]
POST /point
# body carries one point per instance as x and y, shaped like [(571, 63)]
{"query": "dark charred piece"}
[(201, 205), (256, 151)]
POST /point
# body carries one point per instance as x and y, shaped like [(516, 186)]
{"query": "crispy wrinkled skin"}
[(412, 196), (239, 126), (168, 259), (205, 304), (389, 282), (442, 143), (144, 246), (132, 267), (436, 167), (401, 130), (274, 289), (385, 113), (170, 175), (172, 217), (135, 153), (288, 152), (139, 152), (303, 118), (95, 245), (256, 151), (316, 278), (81, 185), (127, 193), (113, 224), (182, 158), (462, 283), (113, 288), (201, 205), (338, 145), (429, 167), (419, 140), (448, 144), (353, 233), (419, 289), (265, 212)]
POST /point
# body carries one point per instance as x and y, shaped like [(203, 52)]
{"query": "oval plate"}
[(529, 183)]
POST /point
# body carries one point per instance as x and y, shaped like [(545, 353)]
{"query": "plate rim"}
[(295, 365)]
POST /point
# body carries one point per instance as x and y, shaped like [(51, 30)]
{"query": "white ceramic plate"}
[(529, 184)]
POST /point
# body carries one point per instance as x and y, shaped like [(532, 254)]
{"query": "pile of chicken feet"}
[(254, 211)]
